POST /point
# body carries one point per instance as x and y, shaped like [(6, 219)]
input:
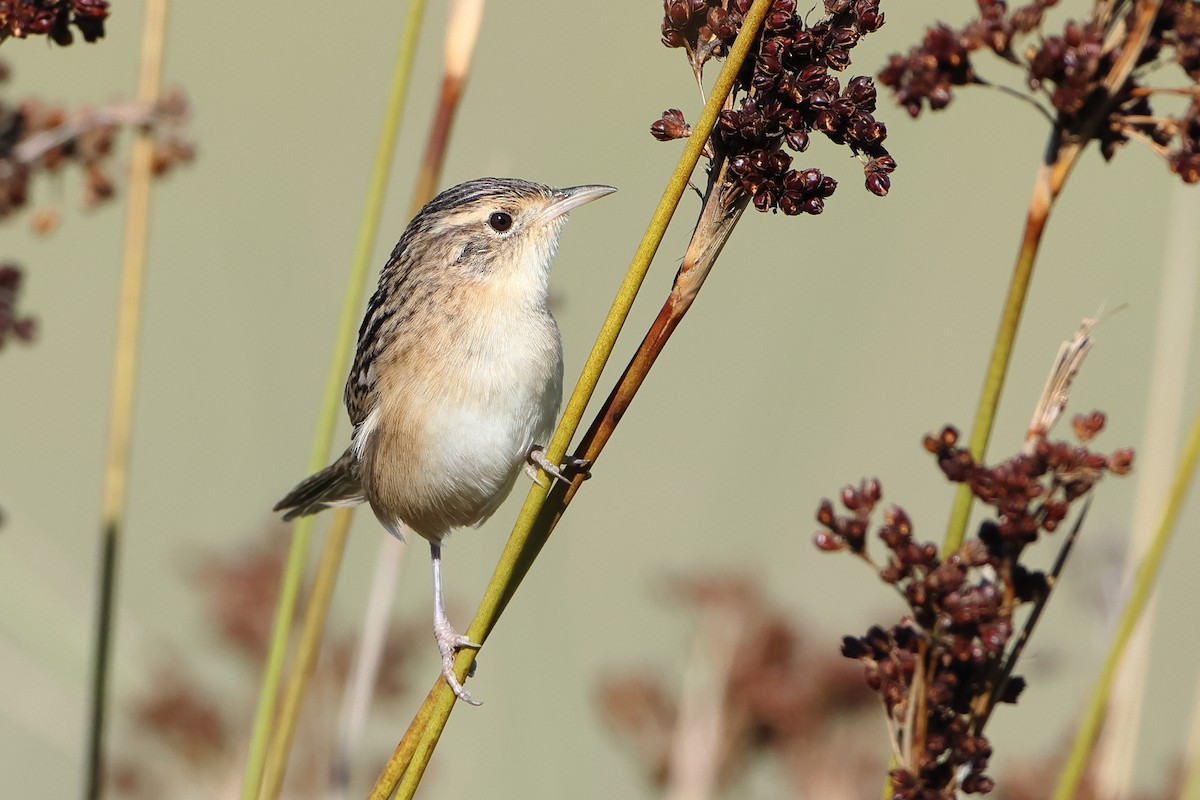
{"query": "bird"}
[(457, 375)]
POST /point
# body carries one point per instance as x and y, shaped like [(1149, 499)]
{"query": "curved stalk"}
[(302, 533)]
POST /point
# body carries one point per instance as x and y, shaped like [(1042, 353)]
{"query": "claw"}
[(449, 642), (569, 468)]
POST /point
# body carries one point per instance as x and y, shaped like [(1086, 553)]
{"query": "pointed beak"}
[(567, 199)]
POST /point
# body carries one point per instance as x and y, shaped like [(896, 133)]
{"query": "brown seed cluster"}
[(12, 323), (39, 138), (953, 655), (787, 92), (184, 732), (1031, 492), (53, 18), (775, 691), (1067, 70)]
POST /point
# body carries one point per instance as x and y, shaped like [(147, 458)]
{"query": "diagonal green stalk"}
[(412, 754), (1143, 587), (1062, 153), (327, 423), (124, 384)]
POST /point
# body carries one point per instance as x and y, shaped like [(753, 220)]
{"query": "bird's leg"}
[(536, 459), (449, 641)]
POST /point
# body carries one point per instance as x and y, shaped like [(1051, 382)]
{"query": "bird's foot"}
[(536, 460), (449, 642)]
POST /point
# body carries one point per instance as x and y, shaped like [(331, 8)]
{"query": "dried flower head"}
[(954, 653), (771, 694), (53, 18), (1091, 78), (38, 138), (786, 93)]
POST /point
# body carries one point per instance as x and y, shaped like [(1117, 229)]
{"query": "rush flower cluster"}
[(54, 19), (942, 669), (1070, 72), (786, 93)]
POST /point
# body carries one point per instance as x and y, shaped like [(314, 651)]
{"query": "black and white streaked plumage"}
[(457, 377)]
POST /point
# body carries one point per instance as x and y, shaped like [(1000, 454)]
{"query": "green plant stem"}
[(1048, 184), (408, 762), (306, 652), (1062, 153), (1143, 586), (462, 34), (327, 422), (124, 383)]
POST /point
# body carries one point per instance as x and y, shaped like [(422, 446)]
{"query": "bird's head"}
[(492, 230)]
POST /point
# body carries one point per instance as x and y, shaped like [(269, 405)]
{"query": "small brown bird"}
[(457, 377)]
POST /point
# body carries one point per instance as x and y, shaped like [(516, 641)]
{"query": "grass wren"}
[(458, 372)]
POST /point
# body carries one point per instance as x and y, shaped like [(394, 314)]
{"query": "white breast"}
[(511, 392)]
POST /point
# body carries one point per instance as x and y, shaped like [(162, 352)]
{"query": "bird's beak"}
[(572, 197)]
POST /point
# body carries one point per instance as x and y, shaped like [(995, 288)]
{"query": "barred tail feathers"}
[(336, 485)]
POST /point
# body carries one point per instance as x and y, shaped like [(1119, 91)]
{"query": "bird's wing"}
[(387, 312), (360, 394)]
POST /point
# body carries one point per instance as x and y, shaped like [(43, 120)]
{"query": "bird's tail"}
[(336, 485)]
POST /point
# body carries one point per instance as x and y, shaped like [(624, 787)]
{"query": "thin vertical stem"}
[(364, 670), (120, 422), (1171, 354), (1143, 587), (306, 652), (462, 33), (339, 364), (1051, 177), (1062, 153)]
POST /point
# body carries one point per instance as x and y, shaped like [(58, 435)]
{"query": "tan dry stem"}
[(462, 34), (124, 385)]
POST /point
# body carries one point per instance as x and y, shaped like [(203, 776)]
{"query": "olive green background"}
[(820, 351)]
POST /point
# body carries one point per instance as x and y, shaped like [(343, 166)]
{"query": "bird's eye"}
[(500, 221)]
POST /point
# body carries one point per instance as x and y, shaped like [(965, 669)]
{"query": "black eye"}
[(500, 221)]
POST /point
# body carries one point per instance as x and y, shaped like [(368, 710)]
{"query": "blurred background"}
[(821, 351)]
